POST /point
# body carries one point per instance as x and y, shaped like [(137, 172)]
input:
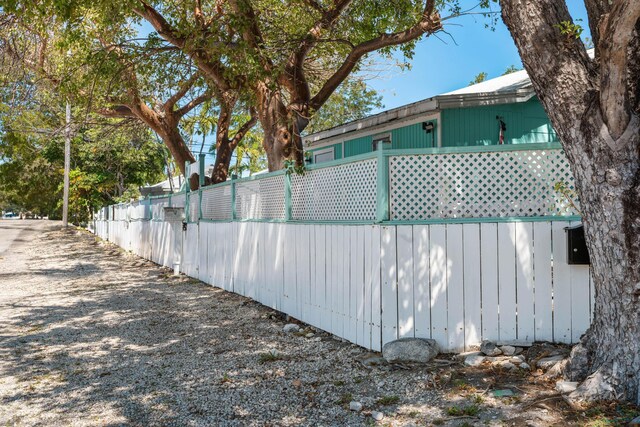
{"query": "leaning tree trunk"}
[(279, 133), (605, 161)]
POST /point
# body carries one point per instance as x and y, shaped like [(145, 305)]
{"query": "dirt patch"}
[(91, 335)]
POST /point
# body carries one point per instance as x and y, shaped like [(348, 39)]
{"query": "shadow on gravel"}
[(127, 335)]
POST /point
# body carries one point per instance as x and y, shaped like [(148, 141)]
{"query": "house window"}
[(324, 155), (385, 140)]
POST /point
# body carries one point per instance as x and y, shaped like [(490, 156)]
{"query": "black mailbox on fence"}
[(577, 252)]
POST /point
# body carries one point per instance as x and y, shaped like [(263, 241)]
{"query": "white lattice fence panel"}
[(261, 198), (138, 210), (194, 206), (216, 203), (120, 212), (157, 206), (178, 201), (478, 185), (339, 193)]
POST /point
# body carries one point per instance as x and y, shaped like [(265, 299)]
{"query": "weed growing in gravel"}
[(388, 400), (339, 383), (469, 410), (345, 399), (271, 356)]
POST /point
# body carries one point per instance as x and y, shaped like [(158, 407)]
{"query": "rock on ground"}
[(490, 348), (410, 350)]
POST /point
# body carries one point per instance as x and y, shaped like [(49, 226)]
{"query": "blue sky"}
[(443, 65)]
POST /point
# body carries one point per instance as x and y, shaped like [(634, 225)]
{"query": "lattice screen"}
[(216, 203), (138, 210), (477, 185), (262, 198), (338, 193), (178, 201), (156, 207), (194, 206), (120, 212)]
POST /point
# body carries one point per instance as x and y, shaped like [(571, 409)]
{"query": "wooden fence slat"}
[(561, 285), (406, 320), (472, 288), (422, 306), (455, 287), (438, 279), (376, 303), (389, 285), (489, 280), (543, 298), (524, 281), (368, 285), (507, 280)]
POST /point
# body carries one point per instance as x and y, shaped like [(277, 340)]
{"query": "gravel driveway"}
[(90, 335)]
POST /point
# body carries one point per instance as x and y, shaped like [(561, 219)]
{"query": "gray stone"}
[(508, 350), (516, 359), (291, 327), (355, 406), (518, 350), (548, 362), (474, 360), (417, 350), (378, 416), (525, 366), (635, 422), (566, 386), (489, 348), (507, 365), (309, 335)]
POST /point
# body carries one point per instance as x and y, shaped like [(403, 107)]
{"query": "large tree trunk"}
[(603, 150), (279, 139)]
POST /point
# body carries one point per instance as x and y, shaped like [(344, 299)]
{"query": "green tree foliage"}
[(479, 78)]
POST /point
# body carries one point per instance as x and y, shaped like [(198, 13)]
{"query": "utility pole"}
[(67, 166)]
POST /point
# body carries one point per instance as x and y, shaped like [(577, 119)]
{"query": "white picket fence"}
[(458, 245), (370, 284)]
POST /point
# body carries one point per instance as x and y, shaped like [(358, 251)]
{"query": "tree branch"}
[(429, 23), (618, 25), (117, 111), (193, 104), (184, 88), (160, 24), (246, 127)]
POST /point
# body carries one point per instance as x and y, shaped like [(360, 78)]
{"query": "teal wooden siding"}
[(413, 136), (337, 150), (361, 145), (526, 123)]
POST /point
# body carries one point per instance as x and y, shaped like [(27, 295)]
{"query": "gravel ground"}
[(91, 335)]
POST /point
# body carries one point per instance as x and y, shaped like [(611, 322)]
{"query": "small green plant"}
[(388, 400), (568, 193), (345, 399), (458, 411), (271, 356), (291, 167), (339, 383), (225, 379), (569, 29)]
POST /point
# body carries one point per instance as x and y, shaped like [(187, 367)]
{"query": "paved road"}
[(14, 232)]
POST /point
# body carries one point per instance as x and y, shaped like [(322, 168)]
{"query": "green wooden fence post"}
[(287, 197), (201, 158), (382, 187), (234, 214), (187, 189)]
